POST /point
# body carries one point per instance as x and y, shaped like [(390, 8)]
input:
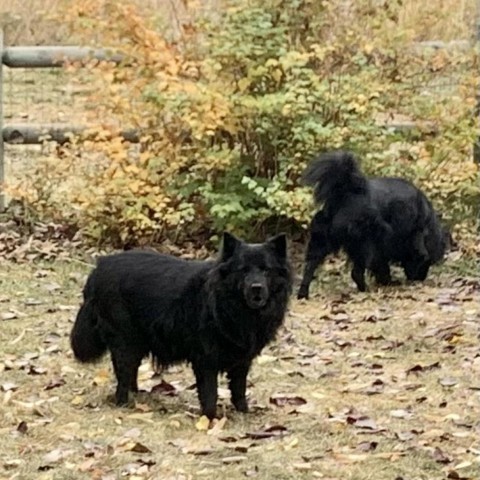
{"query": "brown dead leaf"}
[(136, 447), (253, 472), (280, 400), (87, 465), (29, 302), (217, 426), (405, 436), (9, 386), (367, 446), (56, 455), (34, 370), (268, 432), (342, 343), (374, 338), (362, 422), (440, 457), (420, 368), (8, 315), (22, 427), (228, 439), (11, 464), (141, 407), (132, 433), (264, 359), (361, 457), (54, 383), (243, 447), (198, 451), (454, 475), (448, 382), (233, 459), (401, 413), (164, 388)]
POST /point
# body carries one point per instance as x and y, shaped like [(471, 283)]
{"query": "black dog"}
[(376, 221), (216, 315)]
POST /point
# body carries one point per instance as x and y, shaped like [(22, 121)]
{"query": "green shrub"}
[(232, 115)]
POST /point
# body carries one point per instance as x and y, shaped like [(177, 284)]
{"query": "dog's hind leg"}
[(238, 385), (381, 271), (359, 255), (416, 270), (207, 385), (358, 276), (422, 271), (318, 248), (310, 267)]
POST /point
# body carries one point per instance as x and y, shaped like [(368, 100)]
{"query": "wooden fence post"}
[(2, 151), (476, 146)]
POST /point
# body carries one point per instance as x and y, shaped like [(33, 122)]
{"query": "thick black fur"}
[(216, 315), (376, 221)]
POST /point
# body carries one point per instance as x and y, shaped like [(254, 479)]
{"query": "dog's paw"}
[(122, 403), (302, 294), (241, 406)]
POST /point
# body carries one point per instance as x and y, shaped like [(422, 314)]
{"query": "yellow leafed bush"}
[(230, 115)]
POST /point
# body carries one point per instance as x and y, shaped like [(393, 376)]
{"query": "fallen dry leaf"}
[(440, 456), (401, 413), (22, 427), (164, 388), (367, 446), (11, 464), (9, 387), (203, 423), (140, 448), (218, 426), (268, 432), (362, 422), (56, 455), (264, 359), (280, 400), (54, 383), (448, 382), (423, 368), (233, 459)]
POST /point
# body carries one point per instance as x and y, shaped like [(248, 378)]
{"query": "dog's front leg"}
[(237, 377), (207, 386)]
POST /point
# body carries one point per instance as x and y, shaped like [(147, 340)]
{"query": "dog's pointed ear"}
[(230, 244), (279, 245)]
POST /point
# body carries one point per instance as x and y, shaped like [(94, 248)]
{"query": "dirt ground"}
[(382, 385)]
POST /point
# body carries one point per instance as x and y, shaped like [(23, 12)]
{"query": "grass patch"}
[(379, 385)]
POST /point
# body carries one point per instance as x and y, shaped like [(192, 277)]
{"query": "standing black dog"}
[(376, 221), (216, 315)]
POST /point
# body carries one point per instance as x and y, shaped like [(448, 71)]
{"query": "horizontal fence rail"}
[(27, 134), (50, 57)]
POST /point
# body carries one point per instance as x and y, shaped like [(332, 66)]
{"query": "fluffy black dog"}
[(216, 315), (376, 221)]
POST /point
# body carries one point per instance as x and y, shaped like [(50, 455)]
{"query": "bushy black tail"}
[(85, 340), (334, 174), (437, 238)]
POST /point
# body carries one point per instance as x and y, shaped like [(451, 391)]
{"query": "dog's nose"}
[(256, 288)]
